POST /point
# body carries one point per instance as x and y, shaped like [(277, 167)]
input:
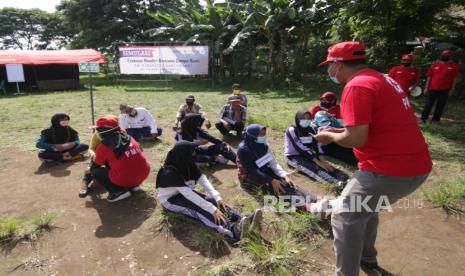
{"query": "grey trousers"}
[(355, 229)]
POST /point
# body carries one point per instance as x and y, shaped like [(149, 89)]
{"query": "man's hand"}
[(277, 188), (223, 204), (325, 137), (208, 124), (288, 180), (219, 217), (331, 129)]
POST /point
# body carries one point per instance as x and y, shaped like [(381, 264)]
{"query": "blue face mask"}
[(305, 123), (261, 139), (333, 78)]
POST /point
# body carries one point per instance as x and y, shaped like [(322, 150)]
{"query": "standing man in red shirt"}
[(393, 157), (405, 75), (440, 84)]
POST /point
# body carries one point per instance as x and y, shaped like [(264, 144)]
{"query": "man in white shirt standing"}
[(138, 122)]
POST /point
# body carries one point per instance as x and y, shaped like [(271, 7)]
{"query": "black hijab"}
[(179, 161), (56, 134), (115, 139), (190, 125), (302, 132)]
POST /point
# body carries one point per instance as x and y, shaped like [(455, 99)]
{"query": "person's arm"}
[(251, 168), (196, 199), (100, 156), (348, 137), (391, 72), (456, 80), (208, 187), (123, 121), (244, 115), (94, 142), (40, 144), (206, 136), (151, 121), (274, 165)]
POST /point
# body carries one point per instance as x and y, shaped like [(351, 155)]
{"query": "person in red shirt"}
[(118, 164), (328, 103), (405, 75), (440, 84), (393, 157)]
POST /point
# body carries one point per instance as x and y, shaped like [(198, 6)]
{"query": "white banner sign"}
[(166, 60), (15, 72)]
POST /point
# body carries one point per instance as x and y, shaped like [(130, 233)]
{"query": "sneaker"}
[(221, 160), (341, 184), (369, 265), (119, 195), (244, 227), (84, 188), (136, 189)]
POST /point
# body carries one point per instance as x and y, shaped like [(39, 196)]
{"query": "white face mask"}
[(333, 78)]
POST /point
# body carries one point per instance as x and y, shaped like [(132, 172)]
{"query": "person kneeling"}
[(125, 165), (175, 185), (138, 122), (302, 152), (60, 142)]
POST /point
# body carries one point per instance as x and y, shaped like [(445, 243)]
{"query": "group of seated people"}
[(117, 161)]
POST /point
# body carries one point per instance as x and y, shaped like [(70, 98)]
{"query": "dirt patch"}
[(93, 237)]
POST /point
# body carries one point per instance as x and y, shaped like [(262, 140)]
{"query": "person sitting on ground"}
[(60, 142), (237, 91), (302, 152), (232, 117), (87, 178), (328, 103), (118, 164), (191, 131), (405, 74), (176, 183), (257, 168), (190, 107), (323, 120), (138, 122)]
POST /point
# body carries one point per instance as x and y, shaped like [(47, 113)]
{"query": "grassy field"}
[(22, 117)]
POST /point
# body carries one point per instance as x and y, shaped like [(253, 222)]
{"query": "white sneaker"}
[(221, 160)]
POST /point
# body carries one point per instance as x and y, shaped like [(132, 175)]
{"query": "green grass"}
[(8, 228), (449, 195)]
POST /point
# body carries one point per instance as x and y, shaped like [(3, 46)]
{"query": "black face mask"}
[(444, 58), (326, 105), (407, 64)]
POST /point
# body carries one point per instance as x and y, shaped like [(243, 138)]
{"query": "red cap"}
[(344, 51), (447, 53), (407, 57), (329, 97), (108, 121)]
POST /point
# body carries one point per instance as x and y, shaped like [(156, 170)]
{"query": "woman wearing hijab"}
[(60, 142), (176, 182), (302, 152), (258, 168), (191, 131), (118, 164)]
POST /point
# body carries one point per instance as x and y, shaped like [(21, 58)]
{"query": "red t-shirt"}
[(442, 75), (335, 111), (395, 144), (405, 76), (129, 170)]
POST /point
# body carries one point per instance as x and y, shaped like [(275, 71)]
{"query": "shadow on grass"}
[(193, 235), (122, 217)]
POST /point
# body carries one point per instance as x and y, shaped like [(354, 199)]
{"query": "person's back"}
[(395, 145)]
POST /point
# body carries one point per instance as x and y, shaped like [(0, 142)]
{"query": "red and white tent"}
[(50, 57)]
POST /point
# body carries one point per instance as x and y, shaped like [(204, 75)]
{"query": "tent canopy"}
[(50, 57)]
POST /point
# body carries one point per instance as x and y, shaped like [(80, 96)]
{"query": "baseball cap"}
[(447, 53), (345, 51), (329, 97), (107, 121), (407, 57)]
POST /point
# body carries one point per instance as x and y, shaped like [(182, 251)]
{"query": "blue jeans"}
[(139, 133)]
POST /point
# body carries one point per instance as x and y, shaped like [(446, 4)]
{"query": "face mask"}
[(64, 123), (305, 123), (261, 139), (406, 64), (237, 91), (326, 104), (333, 78), (189, 103), (444, 58)]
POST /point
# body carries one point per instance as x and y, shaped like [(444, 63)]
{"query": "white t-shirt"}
[(142, 119)]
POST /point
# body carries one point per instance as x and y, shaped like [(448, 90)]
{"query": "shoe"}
[(243, 227), (84, 188), (369, 265), (221, 160), (136, 189), (120, 195), (341, 184)]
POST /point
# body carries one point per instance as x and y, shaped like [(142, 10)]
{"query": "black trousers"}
[(238, 127), (48, 156), (101, 174), (439, 96), (346, 155)]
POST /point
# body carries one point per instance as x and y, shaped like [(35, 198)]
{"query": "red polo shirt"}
[(442, 75), (405, 76), (129, 170), (395, 144)]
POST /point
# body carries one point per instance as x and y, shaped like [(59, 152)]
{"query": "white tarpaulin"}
[(166, 60), (15, 72)]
